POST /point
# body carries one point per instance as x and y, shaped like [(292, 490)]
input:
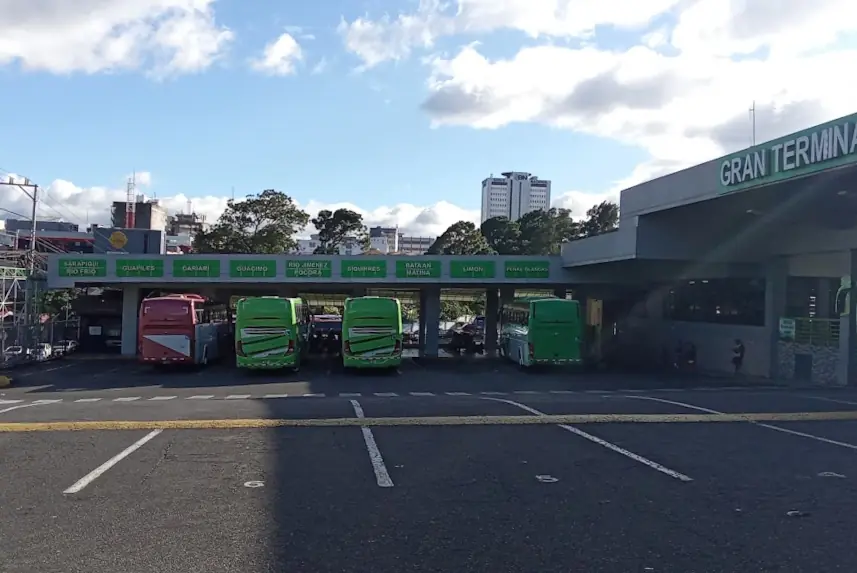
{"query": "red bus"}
[(182, 329)]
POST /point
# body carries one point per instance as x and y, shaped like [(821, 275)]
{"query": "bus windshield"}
[(555, 311), (372, 332), (166, 311), (267, 332)]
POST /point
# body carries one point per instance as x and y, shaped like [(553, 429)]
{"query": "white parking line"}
[(162, 398), (10, 401), (350, 395), (238, 396), (88, 400), (526, 392), (46, 370), (458, 394), (833, 400), (386, 394), (493, 393), (381, 474), (201, 397), (94, 474), (422, 393), (760, 424), (274, 396), (11, 408), (563, 392), (57, 401), (126, 399), (594, 439), (313, 395)]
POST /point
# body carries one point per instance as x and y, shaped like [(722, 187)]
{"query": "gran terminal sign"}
[(818, 148), (68, 270)]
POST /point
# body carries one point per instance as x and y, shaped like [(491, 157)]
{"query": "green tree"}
[(502, 235), (335, 228), (601, 218), (410, 311), (452, 309), (543, 232), (461, 238), (57, 302), (260, 224)]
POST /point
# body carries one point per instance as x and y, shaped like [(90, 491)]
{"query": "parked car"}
[(325, 334), (64, 347), (43, 351)]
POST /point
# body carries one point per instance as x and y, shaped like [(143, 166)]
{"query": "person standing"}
[(738, 355)]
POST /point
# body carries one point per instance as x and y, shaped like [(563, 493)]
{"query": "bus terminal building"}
[(758, 246), (753, 246)]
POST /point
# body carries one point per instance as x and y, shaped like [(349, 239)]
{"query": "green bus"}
[(542, 331), (270, 332), (372, 332)]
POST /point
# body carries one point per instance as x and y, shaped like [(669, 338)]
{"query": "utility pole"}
[(753, 123)]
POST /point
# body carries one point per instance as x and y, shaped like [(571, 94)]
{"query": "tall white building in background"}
[(515, 195)]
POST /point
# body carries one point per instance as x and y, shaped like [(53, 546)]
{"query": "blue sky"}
[(327, 133)]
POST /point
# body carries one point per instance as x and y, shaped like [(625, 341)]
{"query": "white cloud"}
[(280, 56), (683, 103), (579, 202), (163, 37), (389, 38), (784, 27), (64, 200), (320, 66)]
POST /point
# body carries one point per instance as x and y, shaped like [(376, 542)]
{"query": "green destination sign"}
[(300, 269), (252, 269), (418, 269), (815, 149), (364, 269), (528, 269), (472, 269), (139, 268), (208, 269), (83, 268)]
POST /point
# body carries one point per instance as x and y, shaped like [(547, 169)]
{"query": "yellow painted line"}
[(232, 424)]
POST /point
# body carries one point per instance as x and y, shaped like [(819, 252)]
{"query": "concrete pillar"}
[(823, 306), (846, 374), (492, 318), (130, 313), (430, 309), (422, 325), (776, 280), (507, 295)]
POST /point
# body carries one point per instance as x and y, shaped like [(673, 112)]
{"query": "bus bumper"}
[(556, 361), (371, 362), (266, 364)]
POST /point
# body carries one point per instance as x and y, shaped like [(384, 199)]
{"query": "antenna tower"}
[(131, 202)]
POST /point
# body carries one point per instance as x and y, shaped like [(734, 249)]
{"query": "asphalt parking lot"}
[(108, 468)]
